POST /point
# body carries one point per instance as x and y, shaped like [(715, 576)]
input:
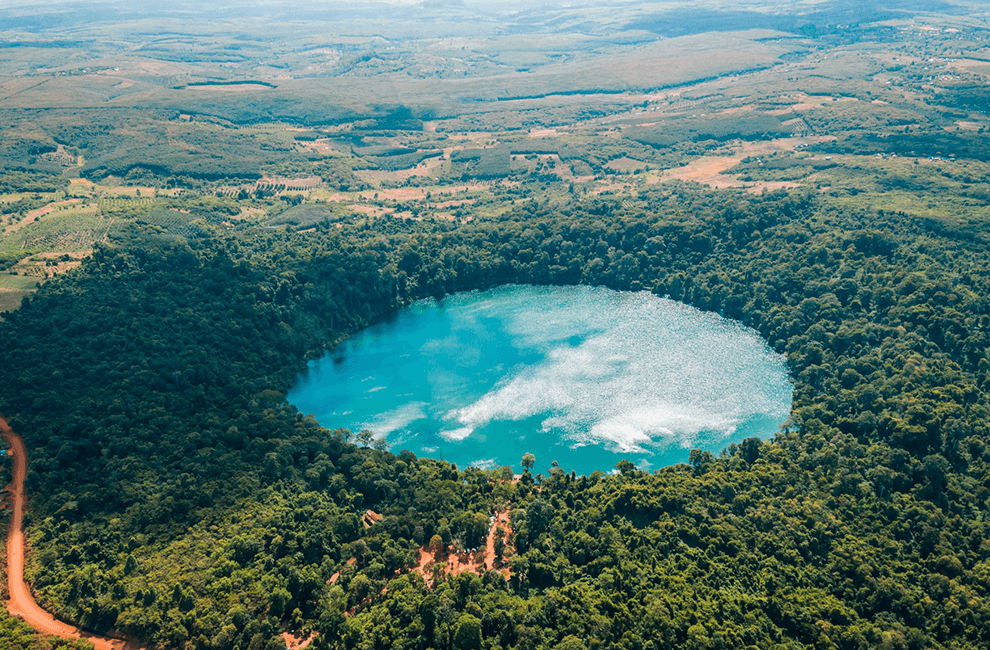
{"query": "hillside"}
[(180, 237)]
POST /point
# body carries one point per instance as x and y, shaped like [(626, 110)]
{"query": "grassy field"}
[(10, 282), (13, 289), (197, 130), (11, 300)]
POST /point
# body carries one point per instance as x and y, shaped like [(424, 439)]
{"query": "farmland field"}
[(176, 139)]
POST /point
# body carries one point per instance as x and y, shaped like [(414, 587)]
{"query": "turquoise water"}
[(584, 376)]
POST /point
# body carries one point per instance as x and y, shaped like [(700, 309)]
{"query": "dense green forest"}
[(179, 499), (17, 635)]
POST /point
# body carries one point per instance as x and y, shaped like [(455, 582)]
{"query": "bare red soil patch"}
[(450, 562), (293, 642)]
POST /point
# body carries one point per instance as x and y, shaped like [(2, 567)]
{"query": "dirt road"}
[(500, 517), (21, 603)]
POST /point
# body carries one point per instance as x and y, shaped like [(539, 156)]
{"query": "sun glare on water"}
[(585, 376)]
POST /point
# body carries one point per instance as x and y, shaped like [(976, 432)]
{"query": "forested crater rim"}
[(584, 376)]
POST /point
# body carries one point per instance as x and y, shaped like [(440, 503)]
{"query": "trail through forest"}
[(21, 603)]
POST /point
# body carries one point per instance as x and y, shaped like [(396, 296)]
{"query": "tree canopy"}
[(177, 498)]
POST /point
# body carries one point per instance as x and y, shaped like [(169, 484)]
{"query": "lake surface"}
[(585, 376)]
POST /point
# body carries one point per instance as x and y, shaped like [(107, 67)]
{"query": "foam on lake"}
[(585, 376)]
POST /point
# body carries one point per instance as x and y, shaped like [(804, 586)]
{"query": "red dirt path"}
[(22, 603)]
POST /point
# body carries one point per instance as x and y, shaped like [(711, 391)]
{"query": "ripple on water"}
[(585, 376)]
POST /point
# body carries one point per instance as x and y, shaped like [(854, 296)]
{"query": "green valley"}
[(195, 202)]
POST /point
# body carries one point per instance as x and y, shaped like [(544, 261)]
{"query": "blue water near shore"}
[(584, 376)]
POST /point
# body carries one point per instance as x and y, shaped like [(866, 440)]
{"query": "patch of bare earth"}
[(972, 66), (429, 167), (371, 210), (50, 264), (807, 102), (293, 642), (47, 265), (51, 207), (250, 213), (434, 564), (710, 170), (321, 145), (127, 190)]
